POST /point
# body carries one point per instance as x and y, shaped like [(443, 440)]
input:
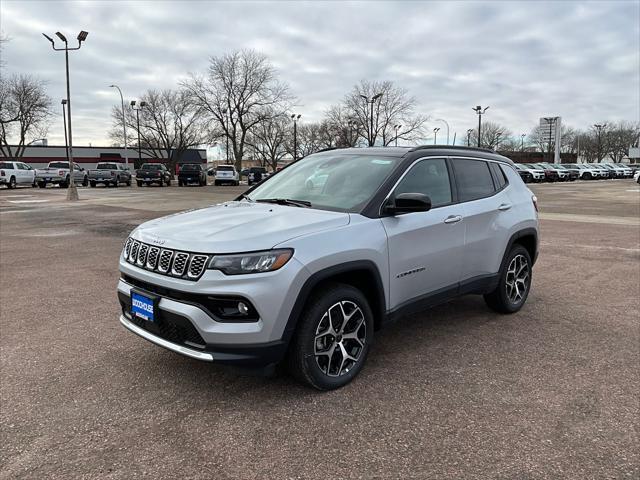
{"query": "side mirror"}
[(408, 203)]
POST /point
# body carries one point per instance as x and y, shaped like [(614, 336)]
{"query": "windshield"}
[(151, 166), (190, 167), (335, 181), (106, 166)]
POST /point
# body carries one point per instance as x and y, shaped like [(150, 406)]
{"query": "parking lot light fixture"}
[(396, 128), (469, 132), (64, 123), (435, 135), (447, 125), (599, 127), (124, 125), (137, 110), (480, 111), (72, 191), (371, 102), (295, 119), (522, 136)]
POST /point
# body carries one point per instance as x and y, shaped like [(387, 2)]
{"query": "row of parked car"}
[(14, 173), (567, 172)]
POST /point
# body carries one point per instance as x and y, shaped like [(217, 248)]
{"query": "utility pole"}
[(72, 192), (226, 127), (551, 121), (480, 111), (522, 141), (372, 137), (64, 122), (435, 135), (124, 128), (295, 119), (137, 109), (469, 132), (447, 124), (396, 128)]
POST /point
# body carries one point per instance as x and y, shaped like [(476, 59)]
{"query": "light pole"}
[(353, 125), (435, 135), (137, 109), (469, 132), (371, 138), (124, 127), (447, 124), (226, 133), (64, 122), (498, 135), (72, 192), (480, 111), (396, 128), (599, 127), (522, 141), (295, 119)]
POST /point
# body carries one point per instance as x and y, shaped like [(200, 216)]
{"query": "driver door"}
[(425, 248)]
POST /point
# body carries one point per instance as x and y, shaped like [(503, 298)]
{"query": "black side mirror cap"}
[(408, 203)]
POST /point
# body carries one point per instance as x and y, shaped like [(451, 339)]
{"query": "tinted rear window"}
[(151, 166), (224, 168), (190, 167), (498, 176), (107, 166), (58, 165), (473, 179), (6, 165)]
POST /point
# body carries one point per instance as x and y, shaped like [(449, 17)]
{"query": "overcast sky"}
[(578, 60)]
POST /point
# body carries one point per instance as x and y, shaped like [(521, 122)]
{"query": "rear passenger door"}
[(483, 192), (425, 248)]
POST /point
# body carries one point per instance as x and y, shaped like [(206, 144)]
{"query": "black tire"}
[(117, 184), (12, 182), (504, 299), (162, 182), (128, 184), (216, 183), (42, 184), (587, 176), (85, 181), (302, 360), (139, 183), (180, 183), (93, 184), (169, 183)]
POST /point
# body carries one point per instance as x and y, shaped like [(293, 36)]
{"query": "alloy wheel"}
[(518, 278), (340, 338)]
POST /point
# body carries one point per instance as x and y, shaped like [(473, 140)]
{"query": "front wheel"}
[(332, 338), (139, 183), (85, 181), (93, 184), (514, 283), (162, 182)]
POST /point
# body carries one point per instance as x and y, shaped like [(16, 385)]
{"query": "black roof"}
[(431, 150)]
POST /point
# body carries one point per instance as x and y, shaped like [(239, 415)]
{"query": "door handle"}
[(504, 206), (453, 219)]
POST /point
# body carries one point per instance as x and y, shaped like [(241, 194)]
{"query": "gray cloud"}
[(580, 60)]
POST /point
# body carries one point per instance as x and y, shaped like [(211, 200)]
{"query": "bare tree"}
[(170, 124), (240, 91), (25, 113), (492, 134), (619, 137), (269, 141), (393, 107)]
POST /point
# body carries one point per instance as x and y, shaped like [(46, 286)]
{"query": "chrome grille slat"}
[(189, 266), (179, 264), (142, 254), (196, 266), (152, 258)]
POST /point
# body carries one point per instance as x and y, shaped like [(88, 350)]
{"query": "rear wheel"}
[(42, 184), (514, 283), (117, 184), (332, 338), (12, 182), (93, 184), (85, 181), (162, 182), (169, 183), (139, 183), (587, 176), (128, 183)]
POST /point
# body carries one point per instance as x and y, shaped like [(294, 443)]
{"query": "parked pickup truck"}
[(110, 173), (153, 173), (192, 173), (57, 173)]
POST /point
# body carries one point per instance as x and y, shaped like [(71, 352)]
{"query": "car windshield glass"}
[(190, 168), (224, 168), (149, 166), (58, 165), (107, 166), (329, 181)]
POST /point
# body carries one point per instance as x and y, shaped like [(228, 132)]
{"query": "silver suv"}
[(305, 272)]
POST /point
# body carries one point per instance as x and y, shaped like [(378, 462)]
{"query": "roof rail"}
[(451, 147)]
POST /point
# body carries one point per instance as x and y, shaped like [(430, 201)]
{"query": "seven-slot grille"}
[(165, 261)]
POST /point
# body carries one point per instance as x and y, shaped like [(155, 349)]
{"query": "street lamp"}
[(137, 109), (295, 119), (480, 111), (551, 121), (435, 134), (599, 127), (64, 122), (469, 132), (498, 135), (447, 124), (225, 124), (396, 128), (371, 102), (124, 127), (72, 193), (522, 141)]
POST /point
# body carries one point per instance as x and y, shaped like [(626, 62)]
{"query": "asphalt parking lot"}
[(455, 392)]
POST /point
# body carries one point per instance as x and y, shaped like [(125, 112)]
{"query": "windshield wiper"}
[(286, 201), (246, 197)]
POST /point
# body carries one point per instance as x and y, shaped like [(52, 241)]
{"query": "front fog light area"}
[(253, 262)]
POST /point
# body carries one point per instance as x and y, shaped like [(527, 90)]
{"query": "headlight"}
[(254, 262)]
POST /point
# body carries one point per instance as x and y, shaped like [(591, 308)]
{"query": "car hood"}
[(236, 227)]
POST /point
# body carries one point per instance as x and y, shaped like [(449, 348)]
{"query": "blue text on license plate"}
[(142, 306)]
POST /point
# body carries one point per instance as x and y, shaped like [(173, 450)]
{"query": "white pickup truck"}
[(57, 173)]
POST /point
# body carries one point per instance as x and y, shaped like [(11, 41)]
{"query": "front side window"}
[(429, 177), (473, 179), (329, 181)]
